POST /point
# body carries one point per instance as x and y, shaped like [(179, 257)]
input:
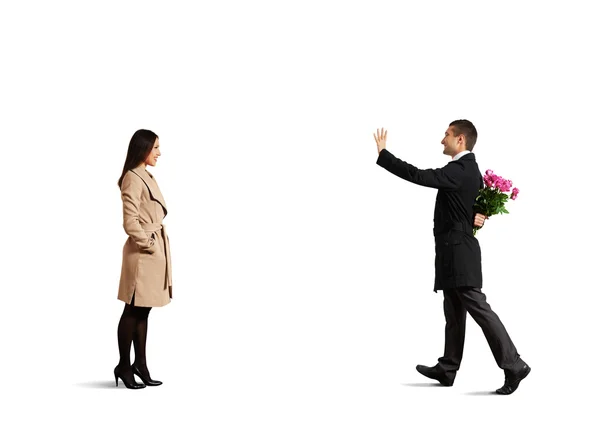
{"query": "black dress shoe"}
[(436, 373), (144, 375), (512, 380), (127, 378)]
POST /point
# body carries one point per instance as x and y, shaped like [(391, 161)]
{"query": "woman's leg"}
[(139, 344), (125, 333), (139, 338)]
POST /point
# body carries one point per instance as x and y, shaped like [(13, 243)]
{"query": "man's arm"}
[(447, 178)]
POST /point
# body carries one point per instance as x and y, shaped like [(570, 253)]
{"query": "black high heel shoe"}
[(145, 377), (127, 379)]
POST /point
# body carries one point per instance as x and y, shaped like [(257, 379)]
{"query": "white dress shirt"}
[(460, 155)]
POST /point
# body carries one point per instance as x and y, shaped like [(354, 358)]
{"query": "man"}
[(457, 254)]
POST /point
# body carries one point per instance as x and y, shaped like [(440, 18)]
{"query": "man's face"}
[(450, 142)]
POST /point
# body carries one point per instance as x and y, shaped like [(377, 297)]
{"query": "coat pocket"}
[(153, 245), (449, 255)]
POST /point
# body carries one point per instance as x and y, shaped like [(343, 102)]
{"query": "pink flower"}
[(494, 181), (490, 180), (500, 183), (513, 195)]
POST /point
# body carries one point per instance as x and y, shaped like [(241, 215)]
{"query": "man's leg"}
[(456, 317), (497, 337), (445, 370)]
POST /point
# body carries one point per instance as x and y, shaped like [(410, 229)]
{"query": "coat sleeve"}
[(131, 194), (448, 177)]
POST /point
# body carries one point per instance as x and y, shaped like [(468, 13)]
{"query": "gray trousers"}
[(459, 301)]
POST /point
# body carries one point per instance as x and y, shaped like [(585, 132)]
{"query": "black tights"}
[(133, 327)]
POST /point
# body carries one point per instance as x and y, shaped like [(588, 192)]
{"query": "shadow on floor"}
[(97, 384), (482, 393), (471, 393)]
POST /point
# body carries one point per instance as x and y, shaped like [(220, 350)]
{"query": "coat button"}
[(445, 243)]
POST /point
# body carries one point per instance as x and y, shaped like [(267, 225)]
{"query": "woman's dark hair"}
[(140, 146)]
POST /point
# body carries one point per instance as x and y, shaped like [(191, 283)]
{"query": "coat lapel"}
[(151, 183)]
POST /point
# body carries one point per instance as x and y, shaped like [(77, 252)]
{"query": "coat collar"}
[(151, 183), (467, 155)]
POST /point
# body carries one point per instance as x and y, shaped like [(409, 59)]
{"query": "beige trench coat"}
[(146, 268)]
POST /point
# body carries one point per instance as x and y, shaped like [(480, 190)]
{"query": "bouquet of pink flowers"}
[(494, 195)]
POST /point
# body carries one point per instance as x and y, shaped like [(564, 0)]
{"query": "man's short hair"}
[(466, 128)]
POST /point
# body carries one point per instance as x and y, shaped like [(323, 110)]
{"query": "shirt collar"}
[(459, 155)]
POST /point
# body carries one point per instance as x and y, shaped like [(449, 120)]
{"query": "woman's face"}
[(154, 154)]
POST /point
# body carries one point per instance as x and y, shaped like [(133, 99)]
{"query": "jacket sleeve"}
[(131, 194), (446, 178)]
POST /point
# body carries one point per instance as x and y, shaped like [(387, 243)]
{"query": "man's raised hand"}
[(380, 139)]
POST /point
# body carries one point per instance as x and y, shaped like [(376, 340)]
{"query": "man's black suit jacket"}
[(457, 252)]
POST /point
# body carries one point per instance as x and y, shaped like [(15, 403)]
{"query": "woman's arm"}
[(131, 194)]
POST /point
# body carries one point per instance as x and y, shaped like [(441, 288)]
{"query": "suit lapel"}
[(152, 186)]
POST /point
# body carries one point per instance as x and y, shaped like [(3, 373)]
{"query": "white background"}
[(303, 272)]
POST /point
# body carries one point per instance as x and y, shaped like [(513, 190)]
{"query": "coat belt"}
[(155, 228), (453, 226)]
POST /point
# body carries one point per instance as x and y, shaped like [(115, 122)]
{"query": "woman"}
[(146, 270)]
